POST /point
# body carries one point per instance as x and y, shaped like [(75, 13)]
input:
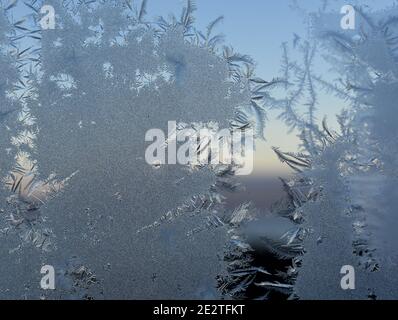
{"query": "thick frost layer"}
[(107, 76)]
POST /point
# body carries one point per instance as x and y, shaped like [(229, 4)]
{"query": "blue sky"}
[(257, 28)]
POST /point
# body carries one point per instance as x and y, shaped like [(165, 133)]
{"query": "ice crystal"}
[(97, 82), (341, 201)]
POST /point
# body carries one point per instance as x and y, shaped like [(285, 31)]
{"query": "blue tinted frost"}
[(82, 189), (77, 193)]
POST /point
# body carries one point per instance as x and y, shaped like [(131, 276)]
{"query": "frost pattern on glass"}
[(341, 203), (105, 76), (367, 63), (342, 199)]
